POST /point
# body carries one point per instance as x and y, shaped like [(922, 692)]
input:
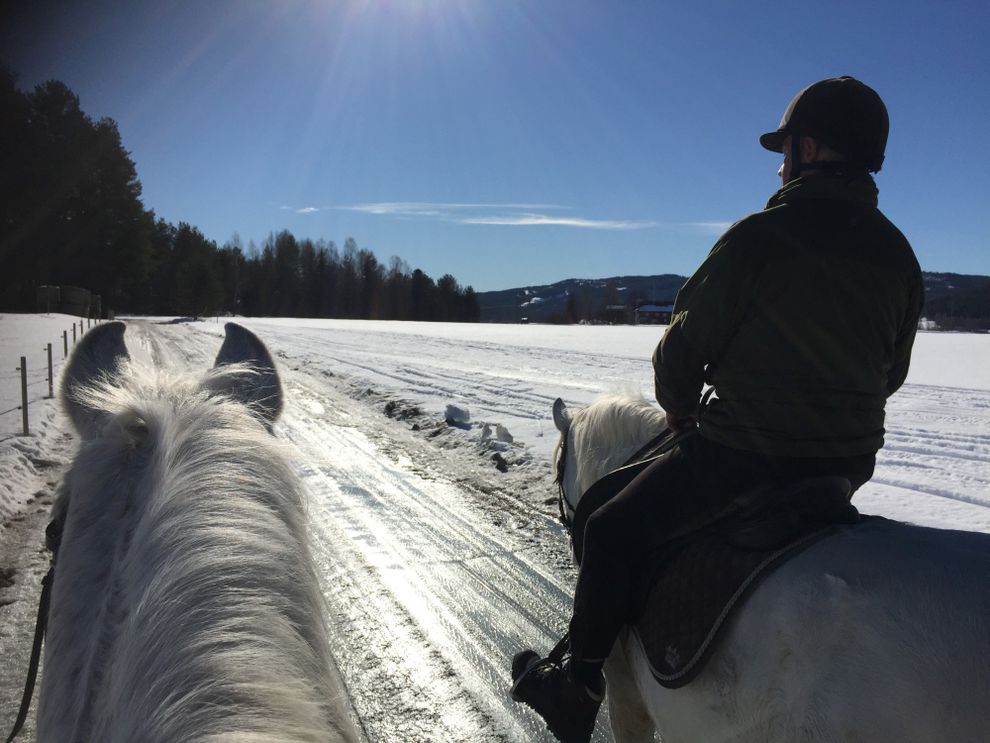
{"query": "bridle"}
[(563, 504), (653, 448)]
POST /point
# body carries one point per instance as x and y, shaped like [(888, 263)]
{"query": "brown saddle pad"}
[(697, 584)]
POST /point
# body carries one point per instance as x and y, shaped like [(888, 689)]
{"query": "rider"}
[(802, 318)]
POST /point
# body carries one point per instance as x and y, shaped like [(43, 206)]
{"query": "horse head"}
[(243, 371)]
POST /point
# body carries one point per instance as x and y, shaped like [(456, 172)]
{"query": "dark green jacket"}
[(802, 317)]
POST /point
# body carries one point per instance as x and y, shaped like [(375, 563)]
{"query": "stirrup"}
[(522, 663), (568, 708)]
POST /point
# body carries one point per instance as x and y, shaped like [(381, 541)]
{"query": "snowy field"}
[(437, 543), (934, 469)]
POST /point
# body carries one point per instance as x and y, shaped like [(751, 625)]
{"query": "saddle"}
[(688, 591), (696, 584)]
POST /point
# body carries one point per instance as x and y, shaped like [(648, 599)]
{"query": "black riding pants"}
[(682, 491)]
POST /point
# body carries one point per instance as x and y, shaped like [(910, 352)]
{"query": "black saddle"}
[(757, 519), (687, 593)]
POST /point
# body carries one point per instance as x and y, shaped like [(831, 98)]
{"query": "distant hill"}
[(573, 300), (958, 301), (953, 301)]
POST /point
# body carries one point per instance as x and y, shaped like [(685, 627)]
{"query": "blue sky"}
[(513, 143)]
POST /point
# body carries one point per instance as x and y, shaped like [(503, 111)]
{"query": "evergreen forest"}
[(71, 214)]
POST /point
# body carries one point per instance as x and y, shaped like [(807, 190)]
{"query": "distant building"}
[(71, 300), (653, 314), (616, 314)]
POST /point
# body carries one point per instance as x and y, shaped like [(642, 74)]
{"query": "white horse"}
[(879, 633), (185, 604)]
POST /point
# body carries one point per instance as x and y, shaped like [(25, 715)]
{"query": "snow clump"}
[(456, 415)]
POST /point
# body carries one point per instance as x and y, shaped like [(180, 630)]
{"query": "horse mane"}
[(609, 431), (210, 623)]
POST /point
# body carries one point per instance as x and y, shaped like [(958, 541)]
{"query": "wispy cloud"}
[(300, 210), (526, 215), (543, 219), (444, 209), (506, 215)]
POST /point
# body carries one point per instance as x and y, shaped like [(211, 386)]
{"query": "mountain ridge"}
[(952, 301)]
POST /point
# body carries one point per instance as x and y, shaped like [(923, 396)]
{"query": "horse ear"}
[(561, 416), (262, 390), (97, 356)]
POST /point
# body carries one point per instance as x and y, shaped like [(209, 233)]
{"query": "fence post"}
[(73, 334), (24, 393), (65, 344), (51, 375)]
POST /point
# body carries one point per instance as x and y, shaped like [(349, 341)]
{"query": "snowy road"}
[(430, 597)]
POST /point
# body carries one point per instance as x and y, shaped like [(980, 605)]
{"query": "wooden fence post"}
[(65, 344), (51, 374), (24, 393), (73, 334)]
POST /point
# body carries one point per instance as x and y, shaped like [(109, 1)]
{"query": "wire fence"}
[(35, 374)]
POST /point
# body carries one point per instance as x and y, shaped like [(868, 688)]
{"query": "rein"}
[(53, 538)]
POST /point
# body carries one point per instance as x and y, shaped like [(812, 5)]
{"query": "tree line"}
[(289, 277), (71, 214)]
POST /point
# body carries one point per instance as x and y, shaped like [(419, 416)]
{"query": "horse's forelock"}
[(135, 390)]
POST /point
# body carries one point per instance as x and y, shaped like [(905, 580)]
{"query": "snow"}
[(437, 541), (455, 415), (508, 375), (23, 459)]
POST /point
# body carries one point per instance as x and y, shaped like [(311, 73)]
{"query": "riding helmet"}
[(842, 113)]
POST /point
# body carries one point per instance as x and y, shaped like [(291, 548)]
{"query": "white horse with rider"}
[(880, 632)]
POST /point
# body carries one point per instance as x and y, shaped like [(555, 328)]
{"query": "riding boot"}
[(554, 691)]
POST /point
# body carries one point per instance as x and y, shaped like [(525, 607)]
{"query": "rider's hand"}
[(681, 423)]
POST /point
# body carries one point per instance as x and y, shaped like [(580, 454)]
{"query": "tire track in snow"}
[(461, 368), (933, 467)]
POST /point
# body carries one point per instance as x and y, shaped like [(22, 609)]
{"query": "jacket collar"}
[(859, 188)]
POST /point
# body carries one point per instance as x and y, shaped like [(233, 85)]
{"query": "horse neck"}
[(607, 434)]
